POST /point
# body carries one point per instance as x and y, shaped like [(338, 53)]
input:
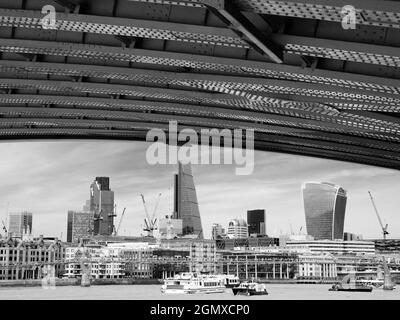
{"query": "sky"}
[(48, 178)]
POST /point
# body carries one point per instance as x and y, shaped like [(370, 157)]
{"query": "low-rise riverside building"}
[(332, 246), (27, 259), (264, 264), (317, 267), (202, 256), (115, 261)]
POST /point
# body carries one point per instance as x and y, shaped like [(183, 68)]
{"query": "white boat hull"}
[(199, 290), (206, 290), (191, 283)]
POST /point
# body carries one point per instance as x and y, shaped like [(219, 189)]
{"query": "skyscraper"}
[(79, 226), (102, 206), (185, 202), (237, 229), (19, 223), (256, 221), (325, 207), (217, 231)]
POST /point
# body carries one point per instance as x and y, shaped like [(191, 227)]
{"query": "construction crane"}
[(384, 228), (119, 223), (150, 222), (113, 214), (4, 227)]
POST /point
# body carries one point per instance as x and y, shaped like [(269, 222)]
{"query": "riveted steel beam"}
[(83, 133), (200, 98), (272, 46), (69, 5), (245, 29), (135, 122), (81, 107), (339, 50), (252, 88), (331, 80), (203, 63), (133, 28), (378, 13), (346, 125)]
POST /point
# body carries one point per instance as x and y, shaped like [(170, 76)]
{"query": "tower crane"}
[(384, 228), (119, 223), (150, 222)]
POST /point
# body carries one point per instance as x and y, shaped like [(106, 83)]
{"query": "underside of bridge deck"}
[(114, 69)]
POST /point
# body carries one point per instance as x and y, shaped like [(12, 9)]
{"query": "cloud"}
[(49, 178)]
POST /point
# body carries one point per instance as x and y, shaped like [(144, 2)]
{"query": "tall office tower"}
[(237, 229), (102, 206), (217, 231), (185, 202), (256, 222), (325, 208), (80, 226), (19, 223)]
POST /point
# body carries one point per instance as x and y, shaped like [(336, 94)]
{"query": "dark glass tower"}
[(102, 205), (79, 226), (185, 202), (256, 221), (325, 207)]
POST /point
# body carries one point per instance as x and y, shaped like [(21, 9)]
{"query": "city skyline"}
[(62, 171)]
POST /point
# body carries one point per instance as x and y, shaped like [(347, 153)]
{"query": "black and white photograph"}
[(181, 151)]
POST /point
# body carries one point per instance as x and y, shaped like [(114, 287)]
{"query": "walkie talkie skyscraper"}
[(325, 208)]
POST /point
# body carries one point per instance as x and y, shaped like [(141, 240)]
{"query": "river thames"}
[(152, 292)]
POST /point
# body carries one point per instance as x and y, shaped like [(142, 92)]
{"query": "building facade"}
[(237, 229), (202, 254), (259, 242), (19, 223), (317, 267), (258, 264), (388, 245), (115, 261), (186, 206), (169, 228), (333, 247), (352, 237), (102, 205), (256, 222), (325, 207), (217, 232), (80, 226), (27, 260)]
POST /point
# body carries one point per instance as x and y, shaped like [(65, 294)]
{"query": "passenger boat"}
[(356, 288), (192, 283), (350, 284), (383, 280), (375, 283), (230, 281), (250, 289)]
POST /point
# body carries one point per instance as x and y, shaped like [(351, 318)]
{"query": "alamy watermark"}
[(349, 17), (49, 277), (190, 146), (49, 21)]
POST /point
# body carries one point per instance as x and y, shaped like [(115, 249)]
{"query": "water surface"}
[(152, 292)]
